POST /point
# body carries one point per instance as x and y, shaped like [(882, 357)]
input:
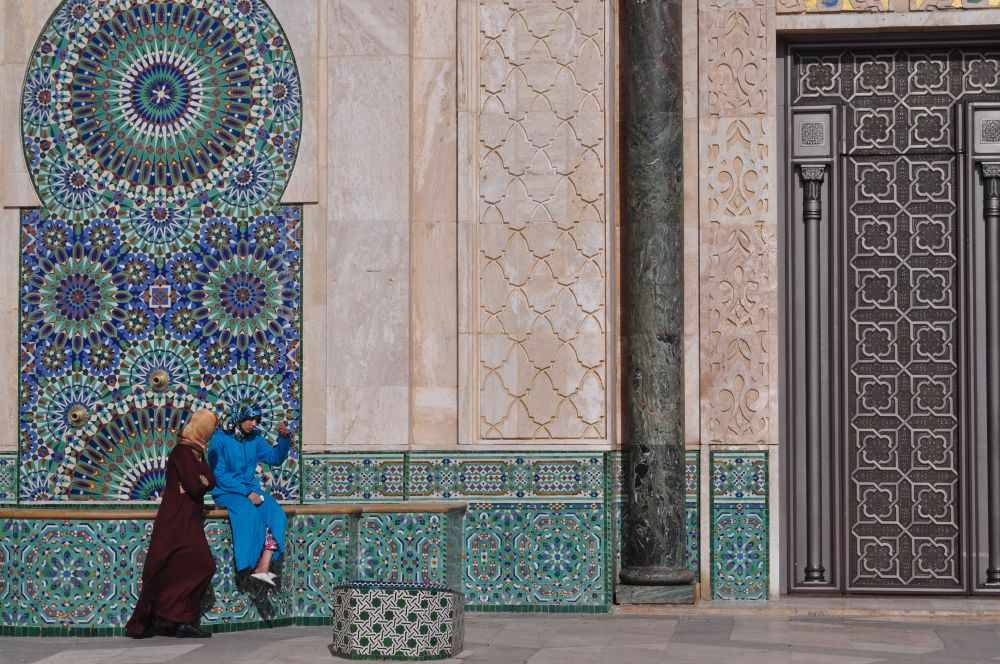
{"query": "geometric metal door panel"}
[(893, 320), (162, 271), (902, 373)]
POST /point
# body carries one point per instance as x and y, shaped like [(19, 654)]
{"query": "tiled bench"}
[(77, 571)]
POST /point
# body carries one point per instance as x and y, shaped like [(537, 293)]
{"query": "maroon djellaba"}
[(179, 565)]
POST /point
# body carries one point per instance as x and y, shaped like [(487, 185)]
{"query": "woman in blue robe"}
[(257, 520)]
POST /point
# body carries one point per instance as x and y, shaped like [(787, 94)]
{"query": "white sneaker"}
[(264, 577)]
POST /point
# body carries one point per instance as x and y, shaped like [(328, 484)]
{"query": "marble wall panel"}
[(21, 21), (434, 223), (368, 198), (10, 226)]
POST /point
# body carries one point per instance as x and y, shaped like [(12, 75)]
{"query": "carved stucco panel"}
[(737, 176), (541, 237), (738, 62), (738, 287), (738, 263)]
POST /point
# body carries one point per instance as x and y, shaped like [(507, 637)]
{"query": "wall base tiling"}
[(542, 533), (536, 533), (83, 577), (537, 528), (739, 521)]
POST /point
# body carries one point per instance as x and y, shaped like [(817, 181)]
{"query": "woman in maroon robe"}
[(179, 565)]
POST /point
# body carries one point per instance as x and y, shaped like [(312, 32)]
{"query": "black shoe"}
[(161, 628), (191, 631)]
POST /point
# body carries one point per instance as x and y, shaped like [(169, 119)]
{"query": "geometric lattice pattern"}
[(535, 531), (507, 477), (86, 574), (528, 554), (540, 262), (161, 267), (353, 477), (320, 554), (692, 515), (8, 478), (901, 237), (527, 546), (404, 548), (396, 621), (739, 525)]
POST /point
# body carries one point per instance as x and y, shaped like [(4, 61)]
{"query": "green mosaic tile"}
[(403, 548), (8, 478), (507, 477), (739, 525), (331, 478)]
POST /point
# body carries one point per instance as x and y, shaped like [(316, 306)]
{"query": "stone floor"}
[(610, 639)]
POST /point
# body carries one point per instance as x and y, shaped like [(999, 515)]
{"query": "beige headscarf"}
[(199, 429)]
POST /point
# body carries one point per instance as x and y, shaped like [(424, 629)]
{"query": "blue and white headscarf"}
[(241, 412)]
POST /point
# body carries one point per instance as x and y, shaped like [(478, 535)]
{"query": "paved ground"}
[(547, 639)]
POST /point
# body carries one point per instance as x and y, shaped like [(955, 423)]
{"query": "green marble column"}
[(653, 568)]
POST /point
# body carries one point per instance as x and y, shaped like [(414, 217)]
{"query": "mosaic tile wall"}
[(83, 574), (540, 534), (537, 529), (329, 478), (161, 272), (739, 525)]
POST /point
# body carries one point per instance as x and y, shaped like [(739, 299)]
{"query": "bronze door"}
[(881, 317)]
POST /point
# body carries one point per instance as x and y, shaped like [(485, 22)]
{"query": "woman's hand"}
[(256, 498), (283, 429), (204, 480)]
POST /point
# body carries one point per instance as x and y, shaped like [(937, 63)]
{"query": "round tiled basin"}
[(397, 621)]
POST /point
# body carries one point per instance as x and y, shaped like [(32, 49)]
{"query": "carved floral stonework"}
[(541, 248), (738, 224), (737, 62)]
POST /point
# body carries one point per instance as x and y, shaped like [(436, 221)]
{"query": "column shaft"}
[(654, 293)]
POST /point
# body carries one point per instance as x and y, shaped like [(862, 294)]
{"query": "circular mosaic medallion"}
[(143, 103)]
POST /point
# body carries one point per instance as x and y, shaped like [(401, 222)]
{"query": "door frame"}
[(968, 397)]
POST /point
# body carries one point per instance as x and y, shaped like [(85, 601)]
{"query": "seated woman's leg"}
[(275, 519), (248, 529)]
